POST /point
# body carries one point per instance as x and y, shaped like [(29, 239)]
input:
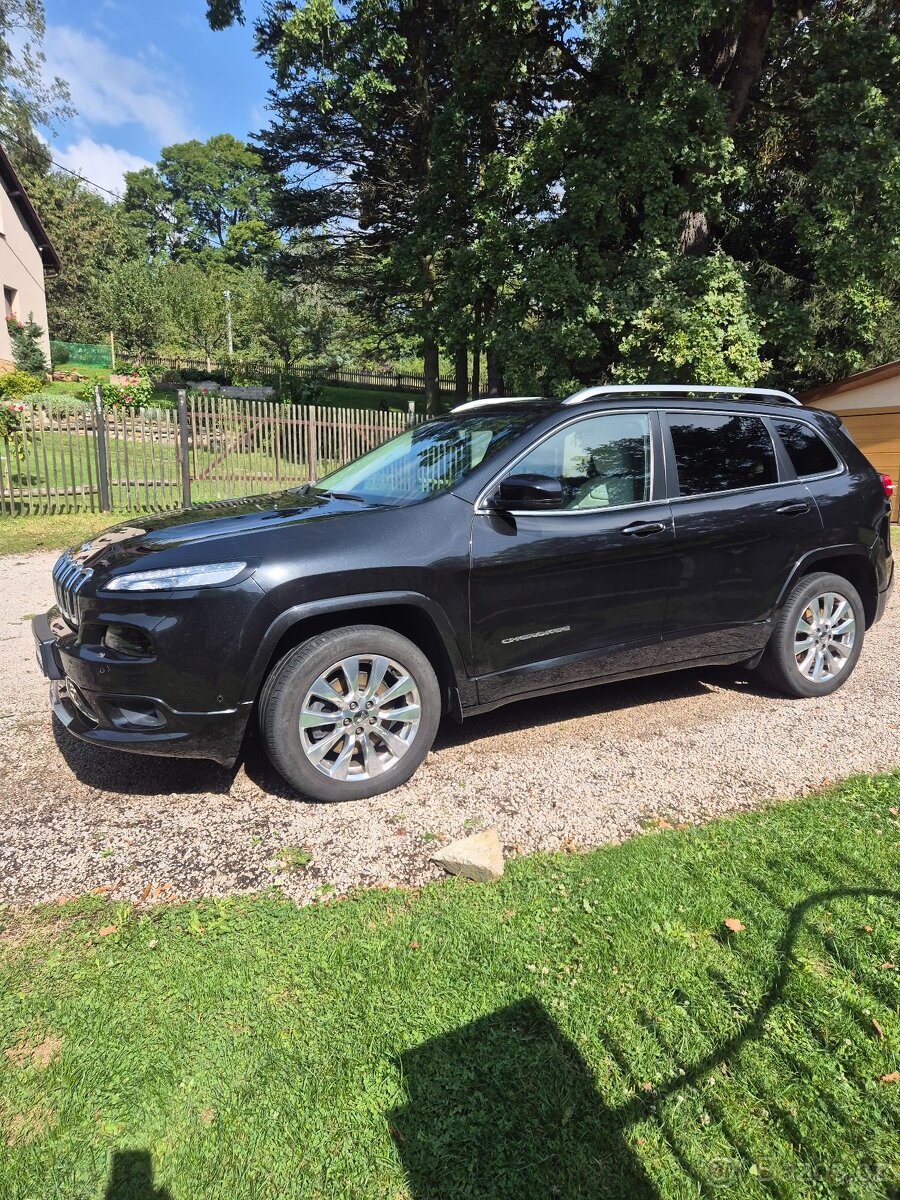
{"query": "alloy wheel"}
[(824, 637), (360, 717)]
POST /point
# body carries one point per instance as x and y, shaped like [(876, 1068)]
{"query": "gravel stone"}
[(576, 770)]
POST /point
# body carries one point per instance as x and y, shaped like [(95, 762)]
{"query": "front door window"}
[(600, 462)]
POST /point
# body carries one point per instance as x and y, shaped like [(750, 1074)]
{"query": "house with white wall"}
[(26, 253)]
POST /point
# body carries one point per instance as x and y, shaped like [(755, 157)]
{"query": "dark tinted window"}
[(719, 452), (806, 450)]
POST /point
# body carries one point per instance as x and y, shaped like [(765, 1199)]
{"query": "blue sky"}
[(144, 74)]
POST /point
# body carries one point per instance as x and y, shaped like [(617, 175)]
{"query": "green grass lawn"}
[(55, 531), (588, 1027), (91, 375), (362, 397)]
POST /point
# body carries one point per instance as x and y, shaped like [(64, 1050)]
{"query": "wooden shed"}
[(869, 406)]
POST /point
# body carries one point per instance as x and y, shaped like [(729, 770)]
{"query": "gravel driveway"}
[(589, 767)]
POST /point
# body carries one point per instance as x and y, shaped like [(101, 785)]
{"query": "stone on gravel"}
[(478, 857)]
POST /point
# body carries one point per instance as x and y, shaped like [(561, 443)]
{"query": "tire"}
[(370, 749), (782, 665)]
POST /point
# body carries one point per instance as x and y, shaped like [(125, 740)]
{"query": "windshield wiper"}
[(338, 495)]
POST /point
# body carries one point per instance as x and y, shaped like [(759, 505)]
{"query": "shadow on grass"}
[(131, 1178), (507, 1107)]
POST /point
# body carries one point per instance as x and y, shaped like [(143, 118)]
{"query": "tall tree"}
[(697, 168), (389, 119), (133, 305), (352, 127), (594, 192), (195, 298), (89, 235), (288, 322), (27, 98), (203, 197)]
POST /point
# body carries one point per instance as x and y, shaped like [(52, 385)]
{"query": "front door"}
[(576, 593)]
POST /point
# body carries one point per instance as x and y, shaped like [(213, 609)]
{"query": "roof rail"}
[(492, 400), (684, 389)]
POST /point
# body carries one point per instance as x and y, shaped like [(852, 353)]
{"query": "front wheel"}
[(351, 713), (817, 638)]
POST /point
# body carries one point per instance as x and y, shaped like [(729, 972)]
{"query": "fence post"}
[(184, 448), (312, 465), (100, 432)]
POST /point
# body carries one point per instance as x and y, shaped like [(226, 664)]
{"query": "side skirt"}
[(714, 660)]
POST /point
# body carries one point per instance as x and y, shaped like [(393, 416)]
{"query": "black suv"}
[(510, 549)]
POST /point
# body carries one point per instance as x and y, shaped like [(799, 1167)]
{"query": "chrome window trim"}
[(482, 510), (673, 389)]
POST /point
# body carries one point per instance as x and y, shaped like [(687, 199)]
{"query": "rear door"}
[(742, 519)]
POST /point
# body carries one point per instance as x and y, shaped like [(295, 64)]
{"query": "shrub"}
[(11, 425), (291, 390), (137, 392), (27, 353), (190, 375), (246, 374), (60, 356), (16, 384)]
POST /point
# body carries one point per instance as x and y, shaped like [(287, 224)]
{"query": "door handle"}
[(643, 528), (794, 510)]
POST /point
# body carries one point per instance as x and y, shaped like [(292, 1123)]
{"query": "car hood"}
[(149, 535)]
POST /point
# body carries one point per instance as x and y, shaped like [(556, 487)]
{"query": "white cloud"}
[(110, 89), (99, 162)]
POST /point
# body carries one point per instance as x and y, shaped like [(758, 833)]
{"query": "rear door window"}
[(809, 455), (721, 452)]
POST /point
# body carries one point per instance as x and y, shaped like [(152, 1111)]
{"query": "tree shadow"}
[(507, 1107), (131, 1178)]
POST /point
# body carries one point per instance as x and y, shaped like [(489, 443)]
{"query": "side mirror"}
[(527, 493)]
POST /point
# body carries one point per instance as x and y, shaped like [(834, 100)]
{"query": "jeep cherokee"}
[(510, 549)]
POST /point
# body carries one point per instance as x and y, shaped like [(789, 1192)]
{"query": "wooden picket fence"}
[(71, 456)]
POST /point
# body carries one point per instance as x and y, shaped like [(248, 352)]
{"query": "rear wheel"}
[(817, 638), (351, 713)]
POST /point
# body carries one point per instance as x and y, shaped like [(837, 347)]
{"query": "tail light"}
[(888, 484)]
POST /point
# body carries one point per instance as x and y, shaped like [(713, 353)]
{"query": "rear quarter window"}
[(808, 453)]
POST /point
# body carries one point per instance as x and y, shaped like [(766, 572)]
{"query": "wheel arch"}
[(850, 562), (410, 614)]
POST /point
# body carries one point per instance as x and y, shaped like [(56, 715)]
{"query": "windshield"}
[(428, 459)]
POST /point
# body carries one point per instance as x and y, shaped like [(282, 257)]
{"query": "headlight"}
[(167, 579)]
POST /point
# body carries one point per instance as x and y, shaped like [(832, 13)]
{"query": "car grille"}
[(68, 580)]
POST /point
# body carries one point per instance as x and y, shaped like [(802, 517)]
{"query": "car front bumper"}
[(141, 724)]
